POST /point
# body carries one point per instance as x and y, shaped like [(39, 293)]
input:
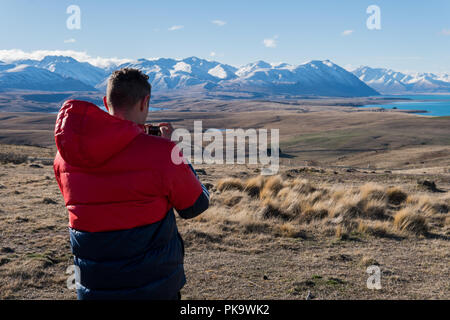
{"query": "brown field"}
[(349, 194)]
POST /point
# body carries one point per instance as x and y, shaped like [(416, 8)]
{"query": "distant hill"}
[(26, 77), (388, 81), (70, 68), (194, 75), (321, 78)]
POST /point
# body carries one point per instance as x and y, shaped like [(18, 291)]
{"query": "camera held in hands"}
[(152, 130)]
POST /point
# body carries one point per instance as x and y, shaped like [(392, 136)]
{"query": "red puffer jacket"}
[(114, 176)]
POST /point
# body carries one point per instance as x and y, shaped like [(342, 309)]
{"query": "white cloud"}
[(220, 23), (270, 42), (17, 54), (173, 28), (71, 40), (215, 55), (347, 32), (445, 32)]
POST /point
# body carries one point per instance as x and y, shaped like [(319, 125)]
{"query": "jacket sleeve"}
[(57, 173), (183, 188)]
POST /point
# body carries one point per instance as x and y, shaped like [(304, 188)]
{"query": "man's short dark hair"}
[(126, 87)]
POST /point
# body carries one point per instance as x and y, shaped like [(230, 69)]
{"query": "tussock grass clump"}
[(230, 184), (292, 204), (256, 227), (374, 209), (408, 220), (10, 157), (289, 230), (198, 236), (271, 187), (337, 193), (428, 205), (447, 224), (283, 193), (441, 208), (302, 186), (232, 201), (318, 211), (411, 200), (377, 228), (368, 261), (270, 209), (343, 232), (447, 200), (317, 196), (254, 185), (396, 196), (372, 191), (348, 208)]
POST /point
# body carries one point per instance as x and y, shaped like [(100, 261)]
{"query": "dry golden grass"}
[(371, 209), (230, 184), (408, 220), (271, 187), (428, 205), (368, 261), (254, 185), (376, 228), (289, 230), (395, 195), (302, 186), (372, 191), (374, 209), (317, 211)]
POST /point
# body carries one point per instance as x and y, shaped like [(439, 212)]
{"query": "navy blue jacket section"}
[(140, 263)]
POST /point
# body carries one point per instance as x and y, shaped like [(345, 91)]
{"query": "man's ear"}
[(105, 103), (145, 103)]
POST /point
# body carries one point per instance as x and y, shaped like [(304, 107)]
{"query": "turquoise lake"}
[(435, 105)]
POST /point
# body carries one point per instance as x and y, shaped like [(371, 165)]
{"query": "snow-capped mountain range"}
[(27, 77), (320, 78), (68, 67), (387, 81)]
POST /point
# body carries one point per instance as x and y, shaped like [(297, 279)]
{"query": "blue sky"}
[(414, 35)]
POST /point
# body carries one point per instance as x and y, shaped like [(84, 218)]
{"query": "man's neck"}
[(123, 116)]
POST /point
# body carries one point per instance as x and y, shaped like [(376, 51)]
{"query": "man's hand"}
[(166, 130)]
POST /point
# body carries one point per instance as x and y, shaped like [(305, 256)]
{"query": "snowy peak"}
[(389, 81), (176, 74), (315, 77), (5, 66), (69, 67), (25, 77)]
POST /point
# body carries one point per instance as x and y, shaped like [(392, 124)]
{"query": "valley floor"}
[(355, 188)]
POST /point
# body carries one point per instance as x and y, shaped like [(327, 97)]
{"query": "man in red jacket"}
[(120, 187)]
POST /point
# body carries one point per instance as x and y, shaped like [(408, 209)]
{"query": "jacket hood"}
[(87, 136)]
